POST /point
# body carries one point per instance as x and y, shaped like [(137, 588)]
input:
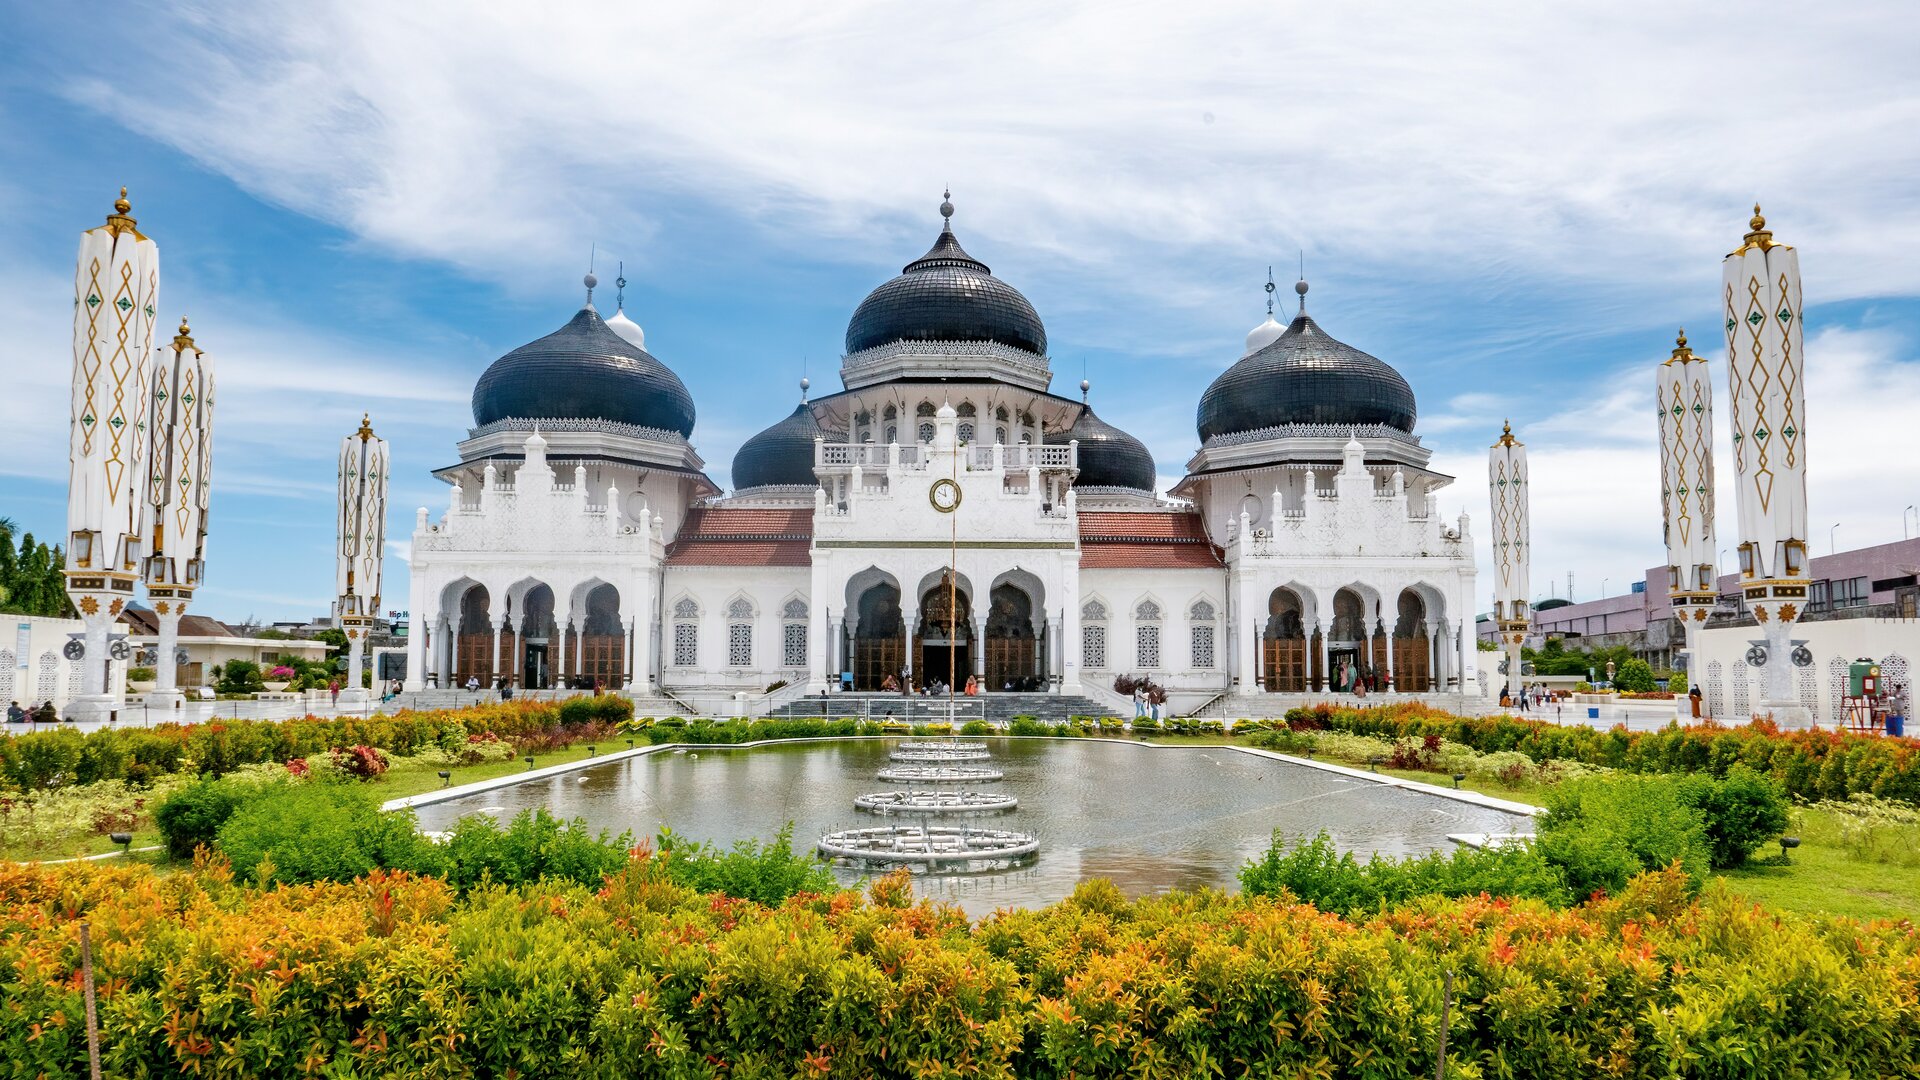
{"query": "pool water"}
[(1150, 819)]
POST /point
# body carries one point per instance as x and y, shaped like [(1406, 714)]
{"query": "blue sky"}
[(360, 205)]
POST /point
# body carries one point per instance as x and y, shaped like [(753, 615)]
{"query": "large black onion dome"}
[(782, 454), (1305, 377), (583, 371), (1109, 457), (946, 295)]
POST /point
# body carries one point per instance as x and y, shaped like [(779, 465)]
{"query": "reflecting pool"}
[(1149, 819)]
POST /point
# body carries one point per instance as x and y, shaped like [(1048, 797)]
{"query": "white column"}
[(560, 627), (1248, 643), (499, 625), (909, 622), (416, 629), (1326, 662), (356, 646), (166, 674), (640, 636), (1391, 680), (1433, 646)]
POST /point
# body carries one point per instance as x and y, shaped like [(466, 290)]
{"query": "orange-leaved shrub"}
[(394, 975)]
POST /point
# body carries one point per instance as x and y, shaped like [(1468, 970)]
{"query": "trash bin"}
[(1593, 712), (1896, 726)]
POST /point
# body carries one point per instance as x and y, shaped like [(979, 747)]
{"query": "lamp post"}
[(180, 460), (1512, 547), (1767, 379), (1832, 543), (116, 289), (362, 540)]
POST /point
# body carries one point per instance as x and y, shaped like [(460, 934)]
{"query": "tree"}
[(1635, 676), (336, 638), (32, 578)]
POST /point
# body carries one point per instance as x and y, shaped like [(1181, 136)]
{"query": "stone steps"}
[(998, 708)]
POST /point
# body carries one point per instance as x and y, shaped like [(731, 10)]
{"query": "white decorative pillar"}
[(499, 626), (1392, 683), (1507, 483), (560, 628), (417, 643), (1326, 664), (1684, 388), (1767, 382), (1435, 677), (362, 547), (443, 649), (180, 473), (116, 290)]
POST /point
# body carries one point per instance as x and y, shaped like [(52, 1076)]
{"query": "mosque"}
[(943, 515)]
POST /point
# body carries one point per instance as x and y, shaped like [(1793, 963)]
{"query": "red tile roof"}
[(729, 536), (1146, 541)]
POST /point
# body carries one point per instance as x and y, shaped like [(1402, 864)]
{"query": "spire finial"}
[(1506, 434), (1756, 223), (121, 218), (1270, 291), (1085, 385), (946, 210), (1757, 234), (121, 205), (806, 384), (1300, 288), (366, 427), (184, 339), (620, 284)]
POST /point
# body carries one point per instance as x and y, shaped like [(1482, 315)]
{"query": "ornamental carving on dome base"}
[(574, 424)]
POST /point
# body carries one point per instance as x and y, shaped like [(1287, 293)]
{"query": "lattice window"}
[(1147, 611), (1809, 691), (925, 408), (889, 413), (73, 678), (966, 432), (48, 682), (1146, 646), (1201, 611), (686, 644), (1716, 691), (6, 674), (741, 608), (740, 645), (893, 434), (1742, 705), (1093, 646), (795, 609), (1893, 671), (1203, 645), (793, 644), (926, 433), (1000, 414), (1837, 681), (1000, 435), (686, 609), (1093, 610)]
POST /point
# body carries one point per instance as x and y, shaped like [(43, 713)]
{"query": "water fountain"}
[(929, 847), (939, 774), (939, 754), (935, 802)]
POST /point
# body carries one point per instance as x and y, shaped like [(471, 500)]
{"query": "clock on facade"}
[(945, 496)]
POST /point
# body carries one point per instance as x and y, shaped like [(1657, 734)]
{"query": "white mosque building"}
[(943, 515)]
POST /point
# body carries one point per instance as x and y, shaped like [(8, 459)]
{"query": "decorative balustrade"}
[(914, 457)]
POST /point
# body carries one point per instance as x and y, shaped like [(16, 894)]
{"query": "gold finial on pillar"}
[(366, 427), (1757, 233), (1680, 349), (184, 339), (1506, 434), (121, 220)]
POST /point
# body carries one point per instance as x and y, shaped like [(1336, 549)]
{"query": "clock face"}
[(945, 496)]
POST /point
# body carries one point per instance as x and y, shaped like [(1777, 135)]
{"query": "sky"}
[(361, 204)]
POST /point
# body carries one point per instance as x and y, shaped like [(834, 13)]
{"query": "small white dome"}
[(627, 329), (1262, 336), (946, 411)]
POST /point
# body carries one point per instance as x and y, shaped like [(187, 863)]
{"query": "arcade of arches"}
[(526, 649), (949, 641), (1297, 658)]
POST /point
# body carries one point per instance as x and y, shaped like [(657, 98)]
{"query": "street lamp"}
[(1903, 521), (1830, 534), (1603, 587)]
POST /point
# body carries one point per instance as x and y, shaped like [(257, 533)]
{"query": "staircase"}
[(995, 708)]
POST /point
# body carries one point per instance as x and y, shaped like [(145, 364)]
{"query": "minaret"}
[(1684, 389), (180, 471), (115, 292), (1512, 548), (1766, 380), (363, 540)]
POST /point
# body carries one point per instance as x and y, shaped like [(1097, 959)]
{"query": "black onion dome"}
[(1109, 457), (782, 454), (1305, 377), (946, 295), (583, 371)]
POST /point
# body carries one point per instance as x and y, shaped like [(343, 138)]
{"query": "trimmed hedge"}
[(139, 755), (1811, 765), (392, 975)]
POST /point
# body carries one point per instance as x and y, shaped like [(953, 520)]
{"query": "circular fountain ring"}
[(930, 846), (939, 774), (941, 744), (935, 802), (940, 754)]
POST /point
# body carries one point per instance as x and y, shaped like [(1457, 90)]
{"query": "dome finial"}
[(1085, 385), (366, 427), (1300, 287), (1506, 434), (806, 384), (1757, 234), (620, 284), (122, 217), (590, 281), (1270, 291), (946, 210)]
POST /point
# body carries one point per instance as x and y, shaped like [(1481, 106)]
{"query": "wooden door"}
[(1286, 665), (1412, 667)]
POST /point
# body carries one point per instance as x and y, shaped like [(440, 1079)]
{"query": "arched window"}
[(686, 634), (893, 434), (1000, 435), (1093, 611), (1146, 636), (740, 608), (793, 634), (925, 408), (926, 433), (889, 413), (966, 432), (1203, 635), (686, 609), (966, 409), (1000, 414), (1093, 635), (740, 633)]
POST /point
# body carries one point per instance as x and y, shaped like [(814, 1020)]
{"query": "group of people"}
[(45, 714), (1533, 697), (904, 684), (1358, 679)]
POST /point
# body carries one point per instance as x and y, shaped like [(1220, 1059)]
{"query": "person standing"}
[(333, 692), (1139, 703)]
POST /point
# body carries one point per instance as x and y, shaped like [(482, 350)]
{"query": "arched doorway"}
[(1287, 664), (879, 640), (536, 640), (1012, 648), (946, 633), (1412, 669), (603, 641), (473, 640), (1347, 649)]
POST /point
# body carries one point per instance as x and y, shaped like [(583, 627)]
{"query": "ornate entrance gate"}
[(1012, 654)]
